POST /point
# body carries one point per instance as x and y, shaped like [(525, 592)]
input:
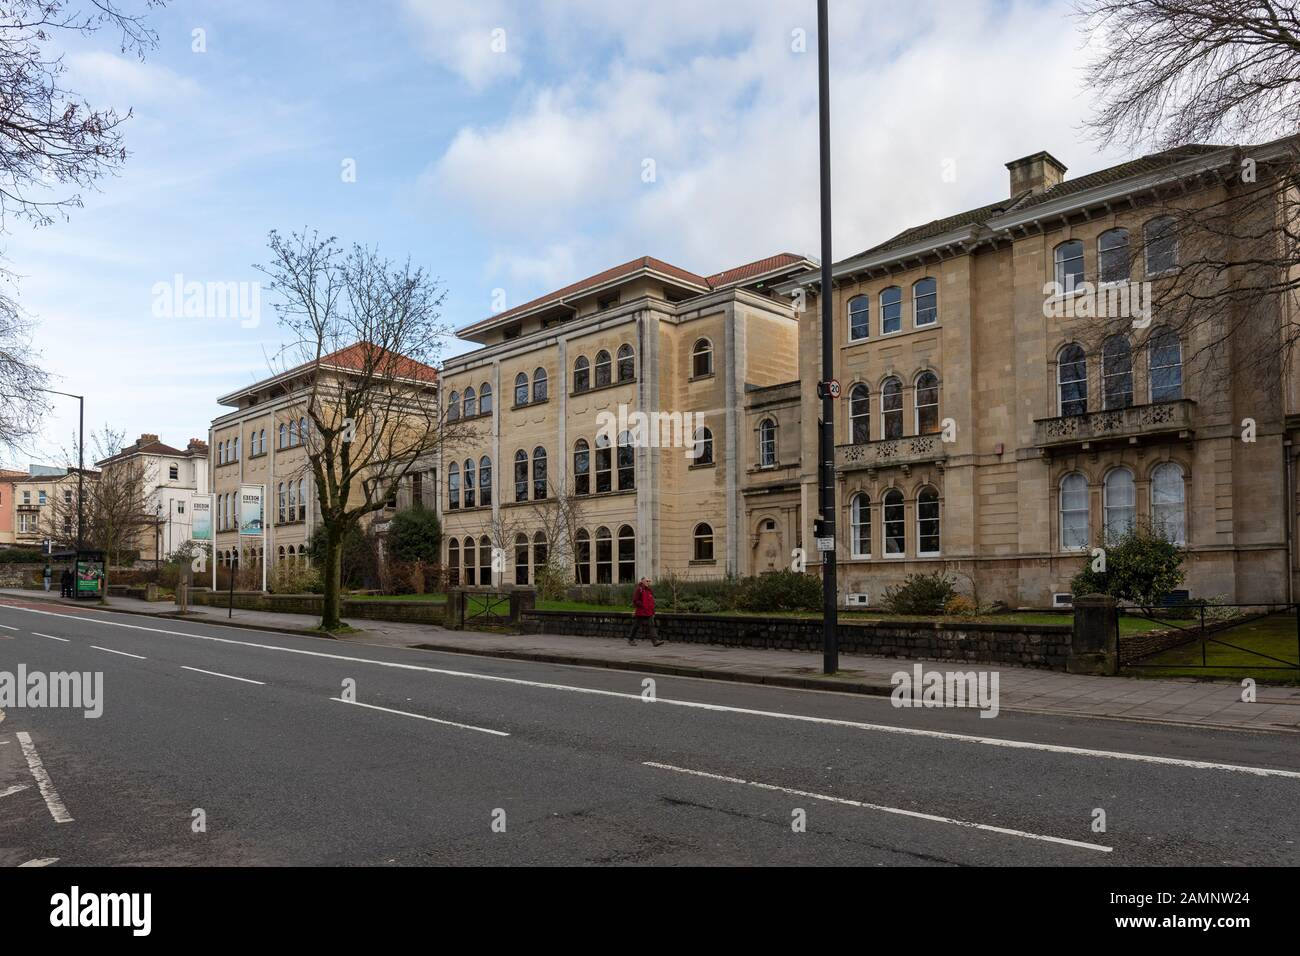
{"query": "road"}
[(453, 759)]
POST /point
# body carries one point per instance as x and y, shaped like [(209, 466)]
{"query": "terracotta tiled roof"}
[(356, 356), (752, 269)]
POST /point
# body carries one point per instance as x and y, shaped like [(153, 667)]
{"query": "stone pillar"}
[(456, 610), (521, 600), (1094, 647)]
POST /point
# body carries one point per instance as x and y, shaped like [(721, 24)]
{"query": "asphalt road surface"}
[(222, 746)]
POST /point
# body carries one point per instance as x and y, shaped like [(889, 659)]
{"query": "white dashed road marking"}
[(199, 670), (435, 720), (57, 810)]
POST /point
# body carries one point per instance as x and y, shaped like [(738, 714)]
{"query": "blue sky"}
[(516, 168)]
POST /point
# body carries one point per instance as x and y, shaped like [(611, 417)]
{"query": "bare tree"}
[(367, 332), (557, 518), (52, 145), (1177, 75)]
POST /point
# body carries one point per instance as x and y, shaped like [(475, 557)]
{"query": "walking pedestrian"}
[(643, 611), (49, 573), (65, 580)]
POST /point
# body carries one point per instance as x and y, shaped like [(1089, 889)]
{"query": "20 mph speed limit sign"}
[(829, 389)]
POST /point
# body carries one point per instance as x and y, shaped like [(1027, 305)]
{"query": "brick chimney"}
[(1036, 174), (197, 444), (146, 438)]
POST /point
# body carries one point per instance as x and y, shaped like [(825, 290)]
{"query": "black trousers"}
[(644, 627)]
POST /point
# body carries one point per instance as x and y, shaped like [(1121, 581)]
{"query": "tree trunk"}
[(332, 573)]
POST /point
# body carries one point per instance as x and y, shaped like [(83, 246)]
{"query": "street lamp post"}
[(826, 437), (81, 458)]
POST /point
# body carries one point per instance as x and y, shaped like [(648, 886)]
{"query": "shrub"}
[(553, 580), (960, 606), (360, 564), (780, 591), (294, 578), (921, 594), (1142, 567), (21, 556), (415, 535)]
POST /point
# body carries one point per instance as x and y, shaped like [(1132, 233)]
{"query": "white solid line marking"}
[(51, 637), (123, 653), (46, 861), (12, 790), (43, 783), (199, 670), (449, 723), (829, 721), (883, 809), (8, 628)]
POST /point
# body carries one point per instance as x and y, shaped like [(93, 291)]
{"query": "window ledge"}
[(702, 464), (701, 378), (601, 388), (696, 562), (518, 408)]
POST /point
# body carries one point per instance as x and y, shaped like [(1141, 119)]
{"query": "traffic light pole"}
[(826, 438)]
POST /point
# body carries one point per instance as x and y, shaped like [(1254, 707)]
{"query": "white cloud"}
[(476, 39)]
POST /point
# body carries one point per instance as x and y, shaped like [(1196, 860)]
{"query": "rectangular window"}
[(173, 472)]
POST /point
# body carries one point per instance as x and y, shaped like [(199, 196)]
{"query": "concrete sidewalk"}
[(1211, 704)]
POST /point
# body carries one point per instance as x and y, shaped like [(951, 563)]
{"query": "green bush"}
[(921, 594), (415, 535), (21, 556), (360, 564), (294, 578), (553, 581), (780, 591), (1142, 567)]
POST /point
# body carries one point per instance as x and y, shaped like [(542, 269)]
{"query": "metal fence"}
[(1202, 623)]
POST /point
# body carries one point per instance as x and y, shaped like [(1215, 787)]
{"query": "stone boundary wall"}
[(1046, 646), (413, 612)]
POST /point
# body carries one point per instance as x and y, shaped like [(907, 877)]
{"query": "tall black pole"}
[(826, 440), (81, 470)]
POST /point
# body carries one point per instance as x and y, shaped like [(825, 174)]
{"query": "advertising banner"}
[(201, 510), (250, 511)]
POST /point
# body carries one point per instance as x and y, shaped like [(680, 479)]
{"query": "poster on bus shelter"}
[(250, 510)]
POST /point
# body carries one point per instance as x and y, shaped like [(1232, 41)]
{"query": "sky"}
[(509, 147)]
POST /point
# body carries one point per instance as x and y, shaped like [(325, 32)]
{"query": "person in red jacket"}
[(643, 610)]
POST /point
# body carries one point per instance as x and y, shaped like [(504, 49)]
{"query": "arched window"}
[(1165, 366), (626, 363), (894, 521), (283, 501), (1112, 256), (860, 525), (453, 407), (539, 473), (767, 443), (626, 462), (927, 522), (521, 558), (604, 368), (703, 542), (295, 553), (453, 562), (581, 467), (540, 553), (1116, 373), (470, 402), (302, 431), (626, 555), (859, 317), (293, 503), (925, 302), (453, 486), (604, 556), (471, 563), (927, 403), (860, 414), (293, 434), (582, 557), (702, 358), (302, 500), (485, 481), (891, 409), (469, 483), (521, 389), (703, 447), (279, 555), (485, 399), (604, 464), (261, 440), (485, 561), (891, 310), (521, 475), (236, 449), (1074, 512), (581, 374), (1119, 502), (1072, 380), (539, 385), (1161, 245), (283, 435), (1069, 265), (1168, 517)]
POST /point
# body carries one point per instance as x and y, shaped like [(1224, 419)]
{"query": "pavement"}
[(1203, 703), (223, 746)]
